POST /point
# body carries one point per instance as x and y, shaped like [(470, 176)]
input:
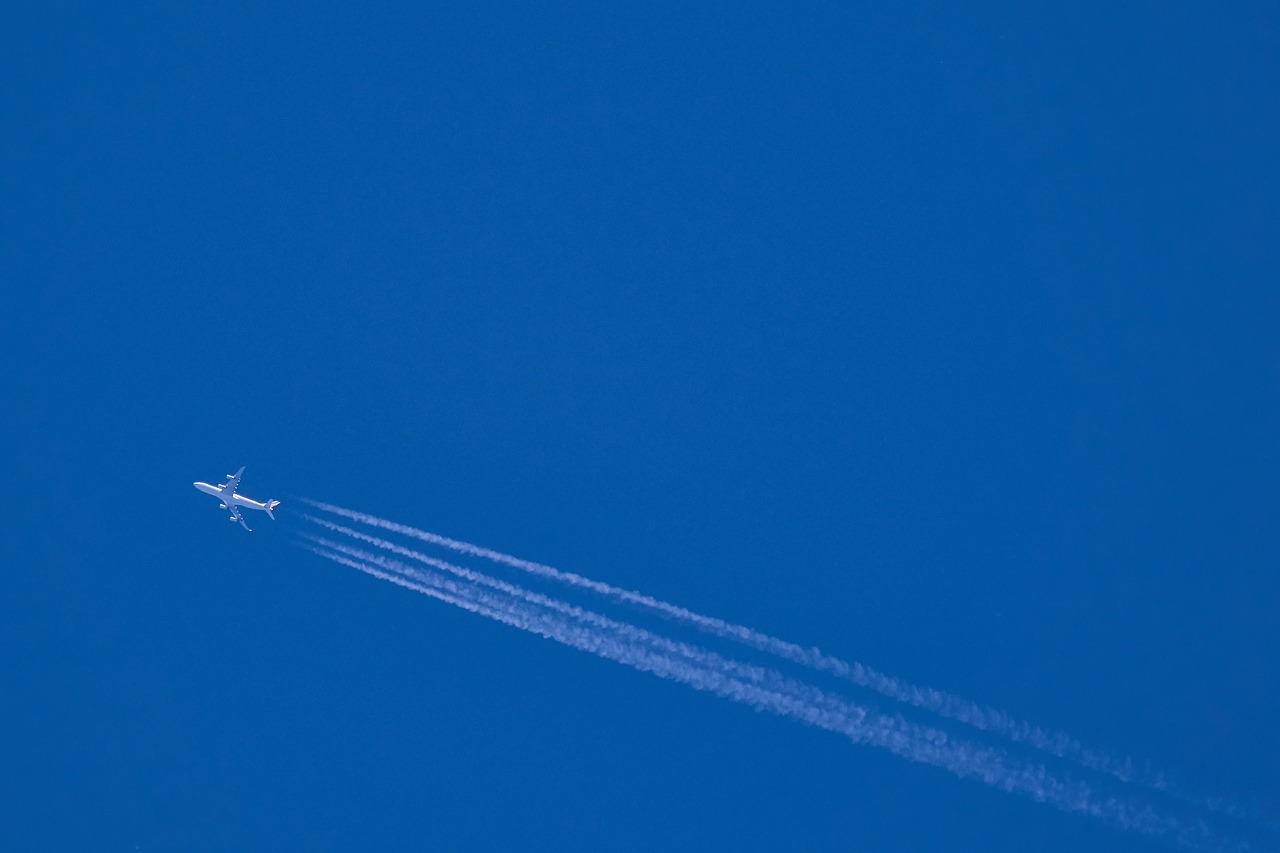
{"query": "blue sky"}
[(942, 339)]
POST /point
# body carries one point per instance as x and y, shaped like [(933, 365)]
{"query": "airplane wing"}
[(235, 513), (233, 480)]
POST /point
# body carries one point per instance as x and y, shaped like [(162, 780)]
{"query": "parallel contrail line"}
[(935, 701), (777, 694), (626, 631)]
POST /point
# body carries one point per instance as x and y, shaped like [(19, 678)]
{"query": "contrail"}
[(770, 691), (626, 631), (928, 699), (623, 630)]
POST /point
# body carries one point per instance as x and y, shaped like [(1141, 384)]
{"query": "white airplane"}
[(231, 501)]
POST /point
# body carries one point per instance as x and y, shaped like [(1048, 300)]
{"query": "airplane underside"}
[(229, 500)]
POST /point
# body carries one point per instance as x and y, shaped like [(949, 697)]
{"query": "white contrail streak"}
[(630, 632), (759, 688), (928, 699), (626, 631)]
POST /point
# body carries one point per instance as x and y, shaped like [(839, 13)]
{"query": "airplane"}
[(233, 502)]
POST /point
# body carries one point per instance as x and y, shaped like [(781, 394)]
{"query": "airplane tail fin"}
[(270, 506)]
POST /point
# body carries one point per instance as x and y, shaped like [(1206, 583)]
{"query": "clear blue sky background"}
[(945, 340)]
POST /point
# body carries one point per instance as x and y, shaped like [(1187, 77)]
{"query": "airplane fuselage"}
[(233, 502), (232, 499)]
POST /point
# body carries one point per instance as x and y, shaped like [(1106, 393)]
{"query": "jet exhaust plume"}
[(769, 691), (934, 701), (502, 600)]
